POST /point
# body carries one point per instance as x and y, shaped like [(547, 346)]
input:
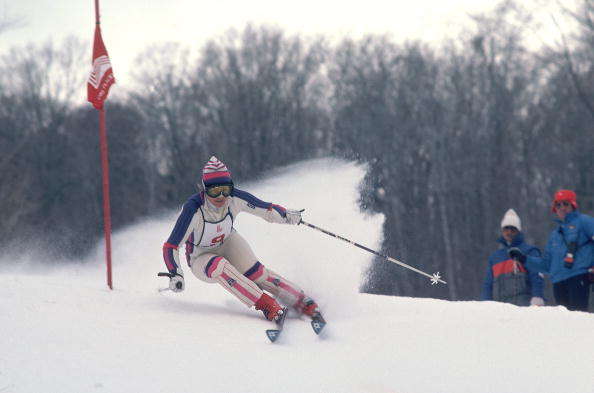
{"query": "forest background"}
[(453, 135)]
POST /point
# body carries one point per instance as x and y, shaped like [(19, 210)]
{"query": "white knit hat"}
[(511, 219)]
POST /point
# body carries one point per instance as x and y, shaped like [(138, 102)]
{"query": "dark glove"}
[(516, 254), (568, 260)]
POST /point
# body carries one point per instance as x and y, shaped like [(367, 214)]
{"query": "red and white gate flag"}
[(101, 77)]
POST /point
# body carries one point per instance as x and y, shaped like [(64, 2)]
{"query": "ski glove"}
[(293, 216), (176, 283), (516, 254)]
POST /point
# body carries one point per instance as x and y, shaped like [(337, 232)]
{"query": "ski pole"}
[(435, 277)]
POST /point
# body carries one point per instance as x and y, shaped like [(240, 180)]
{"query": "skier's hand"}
[(293, 216), (516, 254), (176, 283)]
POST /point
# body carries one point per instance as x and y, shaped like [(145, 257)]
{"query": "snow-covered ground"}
[(63, 331)]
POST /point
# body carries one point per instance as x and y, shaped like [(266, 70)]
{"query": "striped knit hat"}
[(215, 172)]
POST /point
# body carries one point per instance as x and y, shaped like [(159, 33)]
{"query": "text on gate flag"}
[(101, 77)]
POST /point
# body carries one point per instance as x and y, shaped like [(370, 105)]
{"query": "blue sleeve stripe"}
[(183, 221), (249, 198)]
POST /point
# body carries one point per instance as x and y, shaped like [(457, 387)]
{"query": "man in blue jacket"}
[(506, 280), (568, 255)]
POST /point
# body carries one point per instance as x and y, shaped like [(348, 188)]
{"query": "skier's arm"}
[(538, 263), (244, 201), (180, 232)]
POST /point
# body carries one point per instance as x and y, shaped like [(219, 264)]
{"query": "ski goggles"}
[(562, 204), (215, 191)]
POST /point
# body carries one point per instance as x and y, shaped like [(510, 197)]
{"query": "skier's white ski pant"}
[(234, 266)]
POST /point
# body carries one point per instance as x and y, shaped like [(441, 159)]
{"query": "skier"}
[(568, 255), (217, 253), (507, 280)]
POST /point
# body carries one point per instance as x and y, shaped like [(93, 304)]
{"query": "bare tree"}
[(251, 96), (257, 89), (34, 108), (162, 96), (579, 65)]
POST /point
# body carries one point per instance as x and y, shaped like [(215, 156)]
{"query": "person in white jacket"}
[(217, 253)]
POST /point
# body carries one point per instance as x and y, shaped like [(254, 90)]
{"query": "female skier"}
[(217, 253)]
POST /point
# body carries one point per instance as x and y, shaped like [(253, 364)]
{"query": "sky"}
[(130, 26), (62, 329)]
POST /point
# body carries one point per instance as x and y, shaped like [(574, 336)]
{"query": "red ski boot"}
[(307, 306), (270, 307)]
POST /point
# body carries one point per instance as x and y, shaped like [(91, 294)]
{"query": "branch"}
[(574, 77)]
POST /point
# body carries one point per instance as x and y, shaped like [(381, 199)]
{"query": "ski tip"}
[(317, 323), (318, 326), (272, 334)]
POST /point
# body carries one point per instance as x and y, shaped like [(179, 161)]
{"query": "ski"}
[(317, 322), (273, 334)]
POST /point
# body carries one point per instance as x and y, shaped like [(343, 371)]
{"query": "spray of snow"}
[(63, 331)]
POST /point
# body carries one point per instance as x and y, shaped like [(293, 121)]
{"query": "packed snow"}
[(64, 331)]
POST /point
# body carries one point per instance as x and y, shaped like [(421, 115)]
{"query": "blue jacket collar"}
[(516, 241), (568, 218)]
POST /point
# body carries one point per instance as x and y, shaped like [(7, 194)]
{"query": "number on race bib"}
[(218, 239)]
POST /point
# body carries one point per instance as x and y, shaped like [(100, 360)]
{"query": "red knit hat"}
[(564, 195)]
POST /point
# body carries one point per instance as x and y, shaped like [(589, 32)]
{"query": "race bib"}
[(215, 233)]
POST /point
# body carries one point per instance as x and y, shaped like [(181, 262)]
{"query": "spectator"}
[(506, 280), (568, 255)]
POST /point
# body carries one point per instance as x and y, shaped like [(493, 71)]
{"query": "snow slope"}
[(63, 331)]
